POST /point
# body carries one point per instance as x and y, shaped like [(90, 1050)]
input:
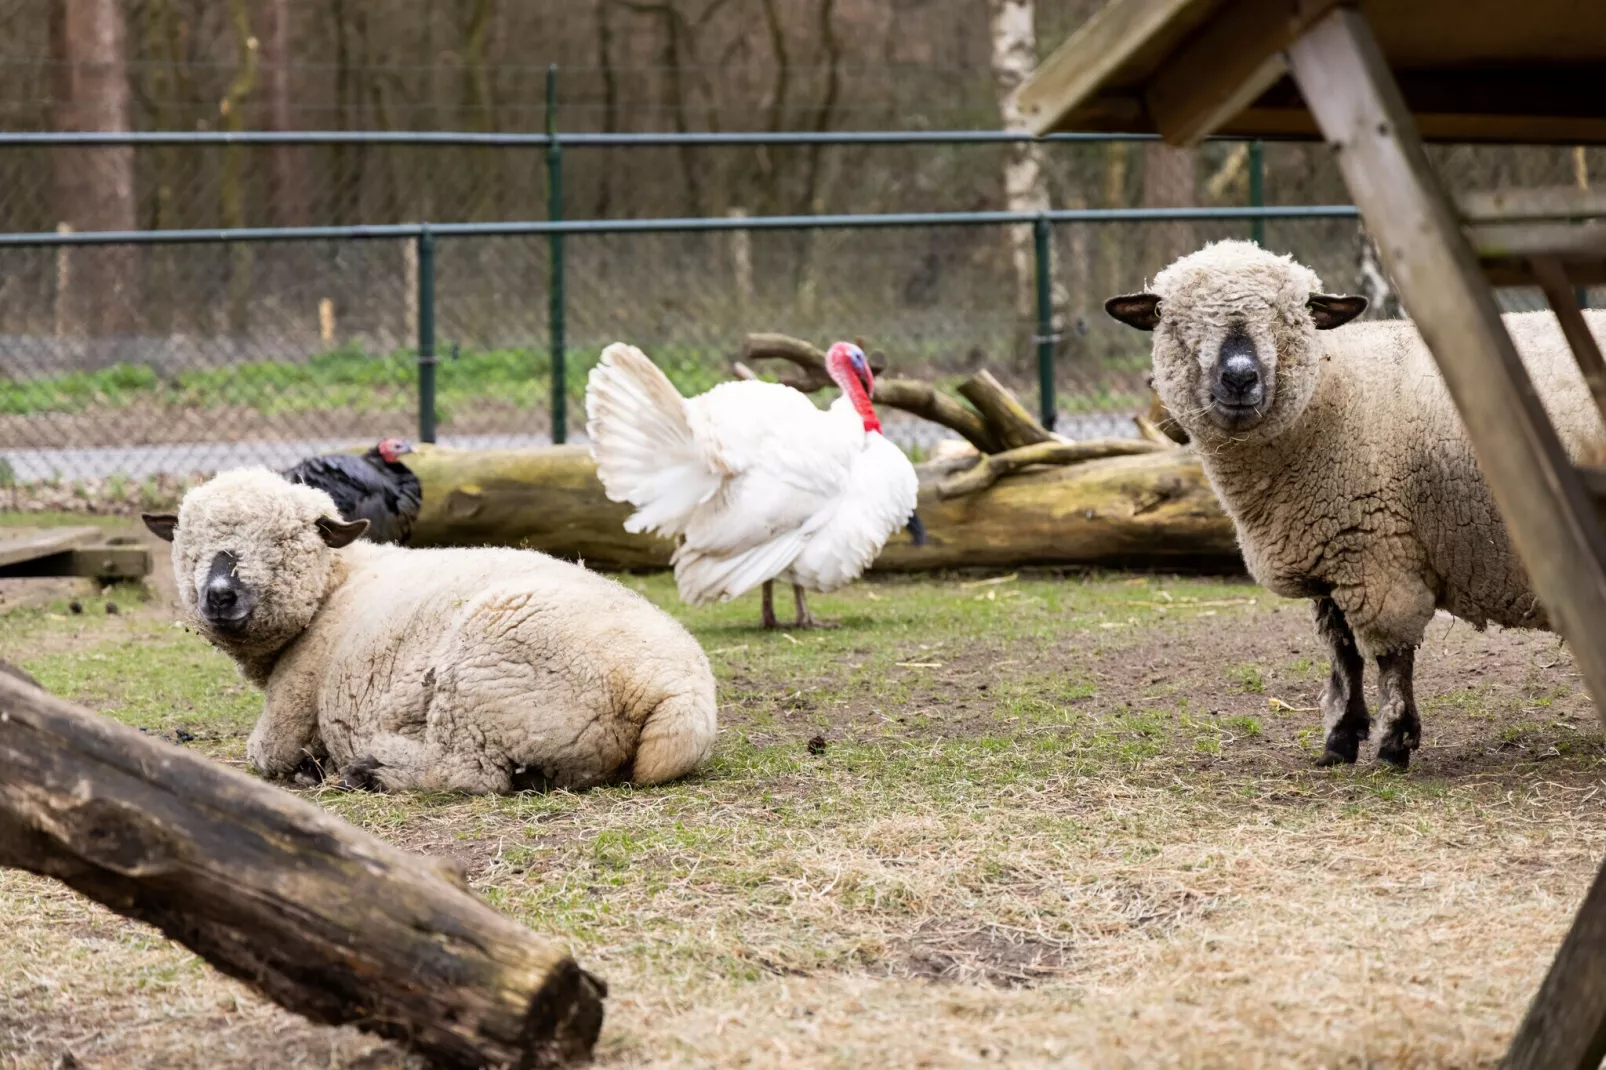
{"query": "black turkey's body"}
[(386, 494)]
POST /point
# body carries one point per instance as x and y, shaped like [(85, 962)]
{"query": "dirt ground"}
[(1056, 820)]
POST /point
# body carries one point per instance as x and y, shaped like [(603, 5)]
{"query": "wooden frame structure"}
[(1374, 78), (73, 551)]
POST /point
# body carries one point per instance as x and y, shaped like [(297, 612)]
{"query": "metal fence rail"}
[(424, 237), (195, 347)]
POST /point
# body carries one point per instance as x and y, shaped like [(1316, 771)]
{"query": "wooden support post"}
[(1564, 303), (317, 915), (1350, 90)]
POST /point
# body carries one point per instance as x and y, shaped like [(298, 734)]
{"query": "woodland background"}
[(939, 301)]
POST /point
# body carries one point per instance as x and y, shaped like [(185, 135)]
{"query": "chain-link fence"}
[(170, 351)]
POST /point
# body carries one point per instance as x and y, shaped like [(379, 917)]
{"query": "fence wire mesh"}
[(132, 364)]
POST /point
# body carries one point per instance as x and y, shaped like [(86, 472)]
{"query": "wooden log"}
[(1149, 511), (1005, 416), (991, 468), (317, 915)]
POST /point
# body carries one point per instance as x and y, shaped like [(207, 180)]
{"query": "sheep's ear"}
[(162, 525), (338, 533), (1334, 310), (1136, 310)]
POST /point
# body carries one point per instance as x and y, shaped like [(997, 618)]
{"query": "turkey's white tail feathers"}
[(703, 578), (645, 451), (677, 734)]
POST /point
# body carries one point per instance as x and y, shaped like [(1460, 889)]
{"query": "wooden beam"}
[(1226, 66), (45, 543), (1510, 250), (1342, 74), (94, 562), (1564, 303), (1092, 54), (1565, 1027), (1532, 204), (317, 915)]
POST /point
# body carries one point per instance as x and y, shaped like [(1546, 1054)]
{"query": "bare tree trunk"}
[(288, 198), (1168, 182), (95, 186), (230, 192), (1014, 57), (1113, 251), (478, 103), (610, 100)]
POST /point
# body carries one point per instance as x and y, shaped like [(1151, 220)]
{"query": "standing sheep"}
[(483, 670), (1344, 464)]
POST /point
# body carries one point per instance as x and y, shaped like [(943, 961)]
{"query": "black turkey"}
[(375, 487)]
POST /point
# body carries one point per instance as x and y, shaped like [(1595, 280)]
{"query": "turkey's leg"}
[(768, 619), (805, 619)]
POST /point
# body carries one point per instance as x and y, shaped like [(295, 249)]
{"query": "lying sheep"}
[(482, 670), (1344, 465)]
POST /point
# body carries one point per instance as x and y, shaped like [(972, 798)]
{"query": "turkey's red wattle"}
[(839, 364)]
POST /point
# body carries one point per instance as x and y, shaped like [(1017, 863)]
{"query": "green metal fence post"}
[(1042, 237), (554, 178), (426, 335), (1257, 190)]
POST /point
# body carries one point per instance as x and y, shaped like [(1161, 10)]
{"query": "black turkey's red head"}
[(392, 448)]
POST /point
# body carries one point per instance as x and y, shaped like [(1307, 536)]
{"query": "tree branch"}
[(991, 468), (1004, 414)]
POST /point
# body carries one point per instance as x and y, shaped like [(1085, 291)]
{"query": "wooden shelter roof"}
[(1528, 72)]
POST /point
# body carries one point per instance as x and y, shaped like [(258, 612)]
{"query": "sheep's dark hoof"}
[(360, 774), (1342, 748), (529, 778), (1395, 753), (309, 774)]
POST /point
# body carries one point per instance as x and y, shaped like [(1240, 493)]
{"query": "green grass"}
[(1046, 785), (349, 377)]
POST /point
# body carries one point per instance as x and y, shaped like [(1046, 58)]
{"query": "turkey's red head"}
[(392, 448), (850, 370)]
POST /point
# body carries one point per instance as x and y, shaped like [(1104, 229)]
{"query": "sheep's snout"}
[(226, 604), (1239, 388)]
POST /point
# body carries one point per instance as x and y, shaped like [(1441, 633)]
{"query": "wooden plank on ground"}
[(99, 562), (44, 543)]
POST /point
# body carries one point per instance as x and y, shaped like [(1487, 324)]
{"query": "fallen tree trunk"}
[(1152, 510), (319, 916)]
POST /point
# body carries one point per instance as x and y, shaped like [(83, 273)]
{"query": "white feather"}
[(758, 482)]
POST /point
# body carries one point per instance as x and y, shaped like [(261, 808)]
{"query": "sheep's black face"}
[(1239, 388), (225, 602)]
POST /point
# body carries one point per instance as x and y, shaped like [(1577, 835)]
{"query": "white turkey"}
[(757, 483)]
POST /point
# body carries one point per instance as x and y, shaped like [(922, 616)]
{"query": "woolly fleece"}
[(1358, 483), (477, 670)]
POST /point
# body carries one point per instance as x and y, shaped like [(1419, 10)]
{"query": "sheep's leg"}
[(1402, 733), (805, 619), (1343, 700), (767, 620)]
